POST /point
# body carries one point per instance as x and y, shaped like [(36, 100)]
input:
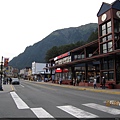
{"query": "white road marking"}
[(21, 85), (18, 101), (106, 109), (41, 113), (76, 112)]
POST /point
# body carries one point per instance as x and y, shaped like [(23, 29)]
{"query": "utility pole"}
[(1, 73)]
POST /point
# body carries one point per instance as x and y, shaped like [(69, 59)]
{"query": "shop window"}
[(105, 65), (105, 74), (111, 75)]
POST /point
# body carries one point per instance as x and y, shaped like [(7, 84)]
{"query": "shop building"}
[(96, 59)]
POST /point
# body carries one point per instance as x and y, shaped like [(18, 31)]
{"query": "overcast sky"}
[(25, 22)]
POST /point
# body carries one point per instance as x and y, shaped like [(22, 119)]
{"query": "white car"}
[(15, 81)]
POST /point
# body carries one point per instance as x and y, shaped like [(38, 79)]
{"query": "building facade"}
[(96, 59)]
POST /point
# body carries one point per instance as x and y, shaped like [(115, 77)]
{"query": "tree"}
[(93, 36)]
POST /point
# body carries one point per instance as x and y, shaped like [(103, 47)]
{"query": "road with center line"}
[(39, 100)]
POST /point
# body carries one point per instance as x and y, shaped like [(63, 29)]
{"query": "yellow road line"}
[(12, 87)]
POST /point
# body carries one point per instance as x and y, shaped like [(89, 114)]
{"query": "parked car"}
[(15, 81)]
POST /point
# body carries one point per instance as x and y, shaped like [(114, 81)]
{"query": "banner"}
[(6, 60)]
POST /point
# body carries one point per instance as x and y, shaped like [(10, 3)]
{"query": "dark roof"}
[(105, 7)]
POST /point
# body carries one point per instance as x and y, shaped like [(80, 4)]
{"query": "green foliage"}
[(93, 36), (56, 51)]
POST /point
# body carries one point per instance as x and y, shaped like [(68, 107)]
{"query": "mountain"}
[(37, 51)]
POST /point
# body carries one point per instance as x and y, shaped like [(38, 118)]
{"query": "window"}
[(109, 29), (83, 56), (103, 29), (105, 48), (109, 75), (110, 46), (103, 39), (105, 65), (111, 63), (117, 25), (75, 57), (109, 37), (106, 28)]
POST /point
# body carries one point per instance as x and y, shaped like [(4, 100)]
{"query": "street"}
[(41, 100)]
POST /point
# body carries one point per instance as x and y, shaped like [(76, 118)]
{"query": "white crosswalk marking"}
[(106, 109), (19, 102), (41, 113), (76, 112)]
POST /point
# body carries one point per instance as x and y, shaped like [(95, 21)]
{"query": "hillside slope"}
[(37, 51)]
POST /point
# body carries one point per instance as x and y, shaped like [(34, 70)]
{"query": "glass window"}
[(103, 27), (109, 30), (111, 64), (105, 48), (110, 46), (75, 57), (109, 24), (103, 32), (103, 39), (105, 74), (79, 56), (105, 65), (111, 75), (83, 56), (109, 37)]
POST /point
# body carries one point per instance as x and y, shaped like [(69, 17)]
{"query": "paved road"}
[(43, 100)]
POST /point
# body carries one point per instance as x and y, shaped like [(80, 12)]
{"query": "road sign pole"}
[(1, 72)]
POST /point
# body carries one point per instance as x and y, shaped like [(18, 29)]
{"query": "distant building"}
[(39, 71)]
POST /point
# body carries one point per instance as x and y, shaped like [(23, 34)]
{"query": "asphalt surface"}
[(9, 88)]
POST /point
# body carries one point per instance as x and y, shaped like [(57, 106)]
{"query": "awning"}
[(58, 70)]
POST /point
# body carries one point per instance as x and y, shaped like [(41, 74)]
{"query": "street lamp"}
[(1, 73)]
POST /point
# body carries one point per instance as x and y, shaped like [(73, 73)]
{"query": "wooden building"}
[(96, 59)]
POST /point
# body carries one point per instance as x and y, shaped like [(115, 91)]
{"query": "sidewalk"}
[(87, 88), (7, 88)]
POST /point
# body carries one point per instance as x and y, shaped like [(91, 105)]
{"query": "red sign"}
[(63, 55), (58, 70)]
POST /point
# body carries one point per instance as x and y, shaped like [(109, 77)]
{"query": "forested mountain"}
[(37, 52)]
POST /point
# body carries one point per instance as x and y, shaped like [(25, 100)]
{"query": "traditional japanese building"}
[(96, 59)]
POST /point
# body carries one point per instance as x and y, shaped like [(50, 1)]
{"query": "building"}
[(40, 71), (96, 59)]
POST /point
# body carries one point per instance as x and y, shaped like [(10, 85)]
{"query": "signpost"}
[(1, 74)]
